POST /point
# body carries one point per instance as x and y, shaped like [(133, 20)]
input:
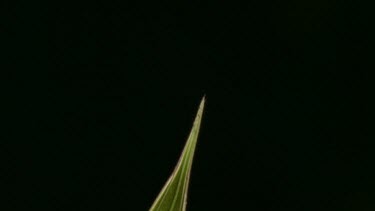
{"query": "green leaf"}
[(173, 196)]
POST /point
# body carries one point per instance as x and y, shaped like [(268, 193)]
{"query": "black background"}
[(98, 119)]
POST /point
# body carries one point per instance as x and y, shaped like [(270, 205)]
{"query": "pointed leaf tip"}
[(173, 196)]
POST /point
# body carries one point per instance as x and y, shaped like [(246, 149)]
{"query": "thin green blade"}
[(173, 196)]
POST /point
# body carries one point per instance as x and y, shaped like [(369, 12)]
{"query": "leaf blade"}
[(173, 195)]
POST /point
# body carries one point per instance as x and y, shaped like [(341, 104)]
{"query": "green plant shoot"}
[(173, 196)]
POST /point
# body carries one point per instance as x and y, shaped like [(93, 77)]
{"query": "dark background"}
[(108, 91)]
